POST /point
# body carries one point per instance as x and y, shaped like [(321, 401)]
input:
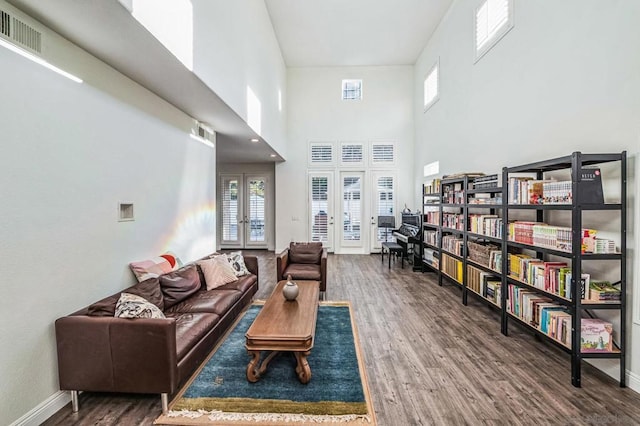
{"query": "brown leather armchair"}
[(304, 261)]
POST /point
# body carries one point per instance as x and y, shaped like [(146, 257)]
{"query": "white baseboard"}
[(633, 381), (44, 410)]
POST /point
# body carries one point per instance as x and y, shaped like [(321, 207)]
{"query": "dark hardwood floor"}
[(429, 360)]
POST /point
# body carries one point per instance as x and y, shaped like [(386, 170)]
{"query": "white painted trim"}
[(44, 410), (633, 381)]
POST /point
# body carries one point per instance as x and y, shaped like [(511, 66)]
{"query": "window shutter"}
[(383, 153), (352, 153), (319, 208), (230, 210), (320, 154), (493, 19)]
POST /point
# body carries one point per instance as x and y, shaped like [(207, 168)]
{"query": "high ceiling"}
[(310, 33), (318, 33)]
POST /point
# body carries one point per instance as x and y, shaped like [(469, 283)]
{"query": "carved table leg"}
[(303, 369), (255, 371), (252, 369)]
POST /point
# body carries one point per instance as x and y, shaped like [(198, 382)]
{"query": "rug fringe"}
[(269, 417)]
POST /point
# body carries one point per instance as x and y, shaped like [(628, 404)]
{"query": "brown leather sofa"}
[(304, 261), (101, 353)]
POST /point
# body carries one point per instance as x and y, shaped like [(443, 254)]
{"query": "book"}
[(603, 291), (596, 335), (590, 186)]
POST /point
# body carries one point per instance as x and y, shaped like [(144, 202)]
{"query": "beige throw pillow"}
[(217, 272)]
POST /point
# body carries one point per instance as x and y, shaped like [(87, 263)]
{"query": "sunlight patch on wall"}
[(171, 22)]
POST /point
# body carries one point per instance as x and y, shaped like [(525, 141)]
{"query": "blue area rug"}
[(220, 391)]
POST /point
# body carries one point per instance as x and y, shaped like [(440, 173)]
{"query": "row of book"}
[(453, 221), (489, 181), (486, 224), (558, 237), (552, 277), (452, 267), (526, 190), (485, 284), (432, 218), (452, 244), (540, 312), (552, 319), (430, 237), (485, 200), (451, 196), (433, 187), (430, 257)]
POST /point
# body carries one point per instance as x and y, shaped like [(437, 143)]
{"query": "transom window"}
[(351, 90)]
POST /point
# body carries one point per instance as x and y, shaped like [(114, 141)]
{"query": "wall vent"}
[(20, 33)]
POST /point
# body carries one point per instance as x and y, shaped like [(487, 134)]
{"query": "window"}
[(382, 153), (494, 18), (351, 154), (321, 154), (351, 90), (431, 87)]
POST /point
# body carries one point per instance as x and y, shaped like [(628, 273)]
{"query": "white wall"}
[(564, 79), (316, 112), (70, 153), (264, 169), (235, 48)]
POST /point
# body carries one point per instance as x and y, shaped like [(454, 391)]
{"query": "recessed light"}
[(273, 155), (254, 140)]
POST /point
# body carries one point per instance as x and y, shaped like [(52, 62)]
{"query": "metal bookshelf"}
[(501, 208), (575, 306)]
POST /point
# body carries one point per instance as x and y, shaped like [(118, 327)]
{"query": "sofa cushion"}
[(242, 284), (149, 290), (178, 285), (214, 301), (190, 328), (217, 271), (150, 268), (308, 253), (303, 272), (237, 263), (132, 306)]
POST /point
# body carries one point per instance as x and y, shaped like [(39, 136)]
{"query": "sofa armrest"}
[(282, 261), (251, 263), (107, 354), (323, 270)]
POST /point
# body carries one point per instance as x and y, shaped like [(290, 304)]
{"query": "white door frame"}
[(348, 245), (237, 222), (375, 245), (249, 226), (242, 221)]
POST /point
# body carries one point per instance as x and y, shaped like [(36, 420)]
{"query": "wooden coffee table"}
[(284, 326)]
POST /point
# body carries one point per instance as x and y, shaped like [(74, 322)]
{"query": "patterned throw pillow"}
[(151, 268), (217, 272), (237, 263), (132, 306)]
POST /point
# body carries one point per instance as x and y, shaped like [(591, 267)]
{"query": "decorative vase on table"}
[(290, 289)]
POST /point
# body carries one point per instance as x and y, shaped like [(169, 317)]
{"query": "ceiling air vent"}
[(20, 33)]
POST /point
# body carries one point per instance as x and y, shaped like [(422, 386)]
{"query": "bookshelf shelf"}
[(492, 210), (485, 237)]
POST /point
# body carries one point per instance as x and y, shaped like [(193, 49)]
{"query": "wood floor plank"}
[(429, 359)]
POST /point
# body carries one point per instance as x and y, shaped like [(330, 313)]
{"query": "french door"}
[(351, 209), (383, 200), (322, 217), (243, 211)]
